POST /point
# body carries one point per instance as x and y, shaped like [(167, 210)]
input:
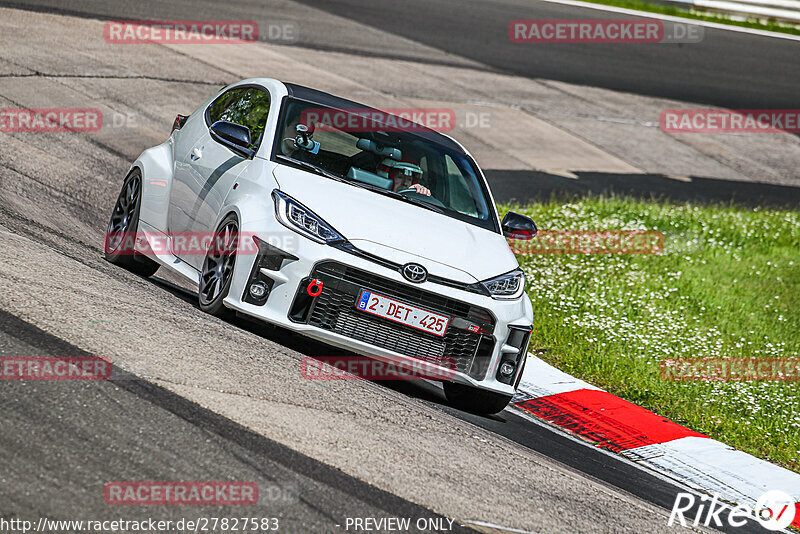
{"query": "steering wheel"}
[(429, 199)]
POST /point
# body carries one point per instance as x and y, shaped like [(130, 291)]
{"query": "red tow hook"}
[(314, 288)]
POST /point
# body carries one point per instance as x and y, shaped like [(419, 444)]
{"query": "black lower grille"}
[(335, 310)]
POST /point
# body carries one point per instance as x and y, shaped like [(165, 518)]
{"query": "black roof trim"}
[(328, 100)]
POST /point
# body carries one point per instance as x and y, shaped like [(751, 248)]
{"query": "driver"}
[(405, 174)]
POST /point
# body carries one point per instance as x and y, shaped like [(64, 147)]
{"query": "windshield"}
[(376, 154)]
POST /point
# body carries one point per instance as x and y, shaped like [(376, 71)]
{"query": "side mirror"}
[(520, 227), (234, 136)]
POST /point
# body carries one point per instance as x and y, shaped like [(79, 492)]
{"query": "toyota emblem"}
[(414, 272)]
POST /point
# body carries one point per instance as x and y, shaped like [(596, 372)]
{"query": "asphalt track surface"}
[(727, 68), (54, 452), (63, 440)]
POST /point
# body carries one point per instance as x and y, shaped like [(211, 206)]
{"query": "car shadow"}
[(427, 391)]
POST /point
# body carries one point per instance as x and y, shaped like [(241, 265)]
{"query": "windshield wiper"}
[(311, 167)]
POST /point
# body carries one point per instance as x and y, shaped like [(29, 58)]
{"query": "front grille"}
[(410, 294), (335, 310)]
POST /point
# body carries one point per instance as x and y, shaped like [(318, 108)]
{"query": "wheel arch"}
[(255, 214)]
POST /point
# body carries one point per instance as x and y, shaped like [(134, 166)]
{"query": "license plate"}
[(402, 313)]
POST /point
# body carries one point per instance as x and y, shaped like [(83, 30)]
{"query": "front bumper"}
[(483, 332)]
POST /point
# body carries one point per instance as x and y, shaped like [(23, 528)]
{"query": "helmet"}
[(403, 173)]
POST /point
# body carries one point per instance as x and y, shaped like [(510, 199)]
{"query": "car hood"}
[(401, 232)]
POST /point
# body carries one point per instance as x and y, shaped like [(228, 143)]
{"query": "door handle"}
[(196, 154)]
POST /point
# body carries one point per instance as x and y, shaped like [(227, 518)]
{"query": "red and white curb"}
[(647, 439)]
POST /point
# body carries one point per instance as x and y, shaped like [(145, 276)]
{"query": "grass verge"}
[(698, 15), (726, 285)]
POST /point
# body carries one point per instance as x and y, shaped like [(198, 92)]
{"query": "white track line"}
[(647, 14)]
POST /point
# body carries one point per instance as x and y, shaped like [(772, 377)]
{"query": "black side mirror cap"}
[(234, 136), (520, 227)]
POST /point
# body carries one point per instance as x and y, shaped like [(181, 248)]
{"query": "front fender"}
[(252, 203), (251, 199)]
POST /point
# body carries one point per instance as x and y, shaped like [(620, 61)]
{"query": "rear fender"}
[(157, 165)]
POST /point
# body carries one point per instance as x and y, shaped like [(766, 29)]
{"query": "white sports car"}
[(331, 221)]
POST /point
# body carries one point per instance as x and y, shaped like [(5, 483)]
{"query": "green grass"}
[(699, 15), (726, 285)]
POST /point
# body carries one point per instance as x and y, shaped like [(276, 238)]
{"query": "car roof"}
[(332, 101)]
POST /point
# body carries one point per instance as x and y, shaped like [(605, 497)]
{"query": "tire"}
[(217, 272), (474, 400), (119, 241)]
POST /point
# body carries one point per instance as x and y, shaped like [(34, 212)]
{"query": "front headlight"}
[(302, 220), (507, 286)]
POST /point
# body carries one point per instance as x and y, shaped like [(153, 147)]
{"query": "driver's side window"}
[(248, 106)]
